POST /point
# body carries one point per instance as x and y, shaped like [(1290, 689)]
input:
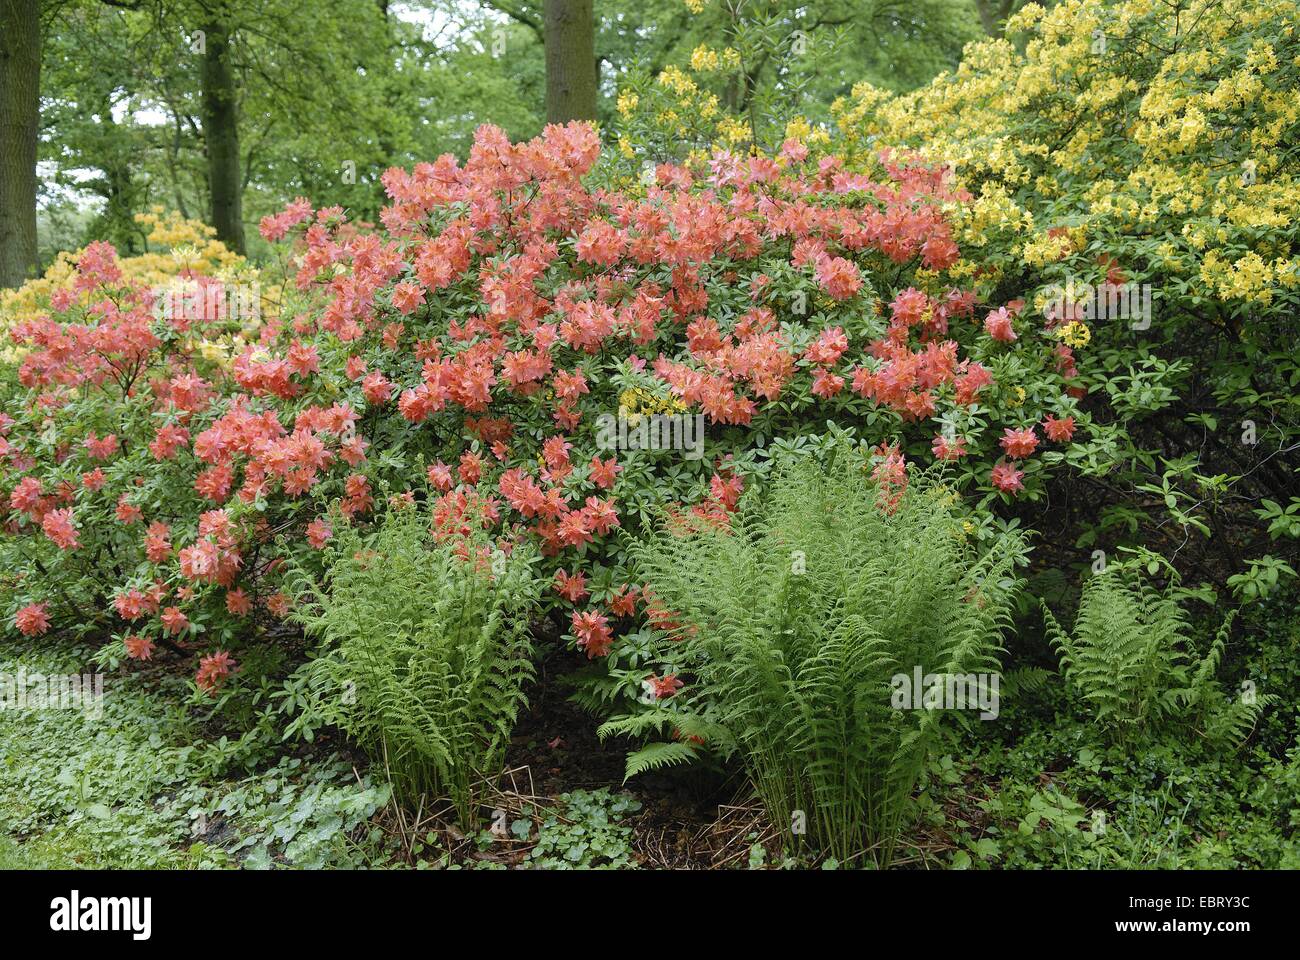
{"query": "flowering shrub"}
[(1133, 132), (180, 250), (468, 354)]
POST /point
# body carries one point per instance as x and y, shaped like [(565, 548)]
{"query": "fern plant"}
[(793, 623), (424, 653), (1132, 662)]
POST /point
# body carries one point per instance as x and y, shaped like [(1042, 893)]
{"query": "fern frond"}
[(1130, 661), (656, 756), (1026, 680)]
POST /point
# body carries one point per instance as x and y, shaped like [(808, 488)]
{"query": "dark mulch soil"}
[(558, 741)]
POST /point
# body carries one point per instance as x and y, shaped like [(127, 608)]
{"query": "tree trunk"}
[(119, 187), (993, 15), (20, 81), (570, 40), (221, 137)]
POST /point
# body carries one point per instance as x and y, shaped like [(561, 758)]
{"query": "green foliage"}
[(425, 650), (1143, 833), (1132, 662), (793, 622), (1261, 578), (655, 755), (309, 815), (586, 832), (134, 787), (1051, 791), (757, 65)]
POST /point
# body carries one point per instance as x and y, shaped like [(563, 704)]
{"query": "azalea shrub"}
[(496, 349), (1136, 134), (177, 251), (110, 528)]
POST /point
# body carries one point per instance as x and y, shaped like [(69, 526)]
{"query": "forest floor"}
[(142, 785), (151, 781)]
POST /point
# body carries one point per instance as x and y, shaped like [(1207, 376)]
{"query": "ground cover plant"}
[(603, 494)]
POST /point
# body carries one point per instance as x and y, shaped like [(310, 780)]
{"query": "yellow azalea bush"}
[(687, 112), (1130, 132), (177, 248), (675, 108)]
